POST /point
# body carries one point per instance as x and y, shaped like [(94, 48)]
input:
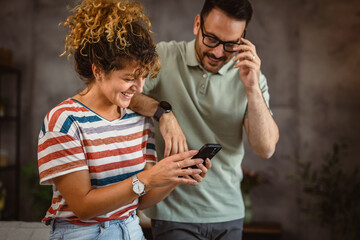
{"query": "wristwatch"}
[(138, 186), (164, 107)]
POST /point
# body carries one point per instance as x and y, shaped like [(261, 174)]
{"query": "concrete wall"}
[(310, 53)]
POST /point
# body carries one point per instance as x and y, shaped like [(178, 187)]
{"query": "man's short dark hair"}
[(239, 9)]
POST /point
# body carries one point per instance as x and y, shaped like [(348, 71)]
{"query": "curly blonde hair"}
[(110, 34)]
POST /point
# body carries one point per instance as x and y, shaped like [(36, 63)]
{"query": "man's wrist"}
[(163, 108)]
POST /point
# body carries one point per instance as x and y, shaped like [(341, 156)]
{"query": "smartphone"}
[(209, 150)]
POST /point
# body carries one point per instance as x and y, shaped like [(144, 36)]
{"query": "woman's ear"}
[(196, 24), (96, 71)]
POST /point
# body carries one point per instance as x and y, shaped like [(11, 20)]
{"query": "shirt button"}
[(204, 76), (202, 86)]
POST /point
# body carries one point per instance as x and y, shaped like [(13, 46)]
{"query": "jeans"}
[(165, 230), (126, 229)]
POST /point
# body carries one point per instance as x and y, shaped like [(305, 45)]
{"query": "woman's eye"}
[(129, 79)]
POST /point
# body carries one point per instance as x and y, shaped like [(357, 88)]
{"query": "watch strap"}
[(163, 107), (159, 112)]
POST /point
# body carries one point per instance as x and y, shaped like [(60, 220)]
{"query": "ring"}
[(253, 57), (178, 164)]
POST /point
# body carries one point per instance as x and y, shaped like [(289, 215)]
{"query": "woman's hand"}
[(204, 169), (168, 174), (172, 170)]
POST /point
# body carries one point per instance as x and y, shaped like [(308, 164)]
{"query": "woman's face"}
[(119, 86)]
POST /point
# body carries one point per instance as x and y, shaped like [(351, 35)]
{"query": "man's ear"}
[(197, 24)]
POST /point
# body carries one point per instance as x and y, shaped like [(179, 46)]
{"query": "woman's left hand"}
[(204, 169)]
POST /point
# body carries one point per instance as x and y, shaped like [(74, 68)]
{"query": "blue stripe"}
[(130, 115), (113, 179), (70, 119), (43, 128), (150, 146)]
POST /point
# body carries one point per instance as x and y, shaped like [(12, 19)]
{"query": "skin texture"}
[(105, 96), (260, 127)]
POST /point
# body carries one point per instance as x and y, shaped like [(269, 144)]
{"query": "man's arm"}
[(175, 141), (143, 104), (260, 127)]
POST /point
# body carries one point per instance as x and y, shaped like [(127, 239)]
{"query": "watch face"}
[(166, 106), (138, 188)]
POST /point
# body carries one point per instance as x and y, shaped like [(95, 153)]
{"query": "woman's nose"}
[(138, 85)]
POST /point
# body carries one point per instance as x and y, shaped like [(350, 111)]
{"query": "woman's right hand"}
[(171, 170)]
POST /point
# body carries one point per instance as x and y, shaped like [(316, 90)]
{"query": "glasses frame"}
[(215, 38)]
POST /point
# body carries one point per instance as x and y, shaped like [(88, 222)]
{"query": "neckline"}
[(122, 114)]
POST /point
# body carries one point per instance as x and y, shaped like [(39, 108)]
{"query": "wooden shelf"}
[(10, 91), (262, 231)]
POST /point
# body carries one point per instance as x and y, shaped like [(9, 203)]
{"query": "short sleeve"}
[(59, 154), (150, 150)]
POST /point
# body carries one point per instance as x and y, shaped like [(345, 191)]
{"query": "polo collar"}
[(191, 55), (193, 62)]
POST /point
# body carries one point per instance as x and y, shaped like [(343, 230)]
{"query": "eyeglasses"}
[(213, 42)]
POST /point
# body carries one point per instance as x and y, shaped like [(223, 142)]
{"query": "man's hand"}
[(248, 64), (261, 128), (175, 141)]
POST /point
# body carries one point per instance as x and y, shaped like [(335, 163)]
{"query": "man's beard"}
[(223, 60), (209, 55)]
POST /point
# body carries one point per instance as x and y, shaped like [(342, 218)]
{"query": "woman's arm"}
[(87, 202)]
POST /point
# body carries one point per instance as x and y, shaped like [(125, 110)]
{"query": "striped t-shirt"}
[(75, 138)]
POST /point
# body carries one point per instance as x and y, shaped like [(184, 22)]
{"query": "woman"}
[(98, 155)]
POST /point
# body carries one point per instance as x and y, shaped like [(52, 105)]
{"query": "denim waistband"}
[(119, 221), (105, 224)]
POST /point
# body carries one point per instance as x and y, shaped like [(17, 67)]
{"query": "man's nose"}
[(218, 51)]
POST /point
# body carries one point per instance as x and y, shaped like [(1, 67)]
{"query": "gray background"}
[(310, 53)]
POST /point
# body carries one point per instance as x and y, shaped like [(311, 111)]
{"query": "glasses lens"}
[(230, 47), (210, 41)]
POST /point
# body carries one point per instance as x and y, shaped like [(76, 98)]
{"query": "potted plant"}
[(250, 180), (40, 195), (331, 195)]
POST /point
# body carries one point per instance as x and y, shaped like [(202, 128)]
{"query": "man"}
[(215, 88)]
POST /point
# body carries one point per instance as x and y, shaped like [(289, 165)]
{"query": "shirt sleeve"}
[(59, 154), (150, 150), (163, 52)]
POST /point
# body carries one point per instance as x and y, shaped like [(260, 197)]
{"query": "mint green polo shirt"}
[(210, 108)]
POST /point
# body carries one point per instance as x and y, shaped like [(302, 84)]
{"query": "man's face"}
[(219, 26)]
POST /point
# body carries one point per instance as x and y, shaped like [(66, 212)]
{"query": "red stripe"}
[(116, 165), (59, 111), (62, 168), (117, 215), (116, 139), (63, 103), (55, 140), (60, 154), (150, 158), (115, 152)]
